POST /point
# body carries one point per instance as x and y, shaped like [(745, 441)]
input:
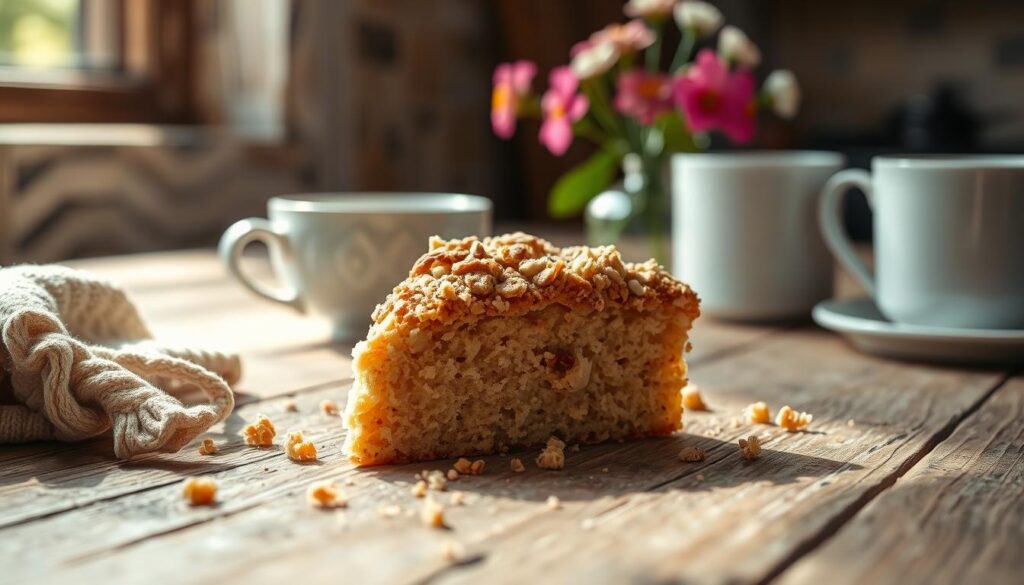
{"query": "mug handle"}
[(830, 220), (232, 245)]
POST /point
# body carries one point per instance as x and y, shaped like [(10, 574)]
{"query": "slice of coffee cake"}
[(504, 342)]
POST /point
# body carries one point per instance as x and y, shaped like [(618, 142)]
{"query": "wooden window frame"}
[(156, 84)]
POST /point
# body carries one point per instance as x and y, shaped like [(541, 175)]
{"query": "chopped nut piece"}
[(553, 455), (432, 514), (462, 465), (200, 491), (260, 433), (517, 465), (530, 268), (458, 498), (636, 288), (692, 399), (554, 503), (692, 454), (299, 449), (477, 467), (792, 420), (325, 494), (290, 406), (453, 475), (419, 489), (513, 287), (329, 407), (388, 510), (207, 447), (750, 448), (758, 413)]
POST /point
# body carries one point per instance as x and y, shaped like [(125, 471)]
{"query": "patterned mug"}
[(339, 254)]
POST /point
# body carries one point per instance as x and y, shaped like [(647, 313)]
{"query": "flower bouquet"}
[(617, 93)]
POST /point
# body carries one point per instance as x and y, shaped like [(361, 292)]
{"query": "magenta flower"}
[(511, 84), (643, 95), (713, 98), (562, 106)]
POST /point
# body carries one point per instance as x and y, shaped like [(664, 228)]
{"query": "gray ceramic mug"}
[(948, 235), (339, 255)]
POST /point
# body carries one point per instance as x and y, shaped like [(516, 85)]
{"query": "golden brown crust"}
[(516, 273)]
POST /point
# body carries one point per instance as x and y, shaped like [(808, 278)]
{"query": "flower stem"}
[(652, 56), (685, 50)]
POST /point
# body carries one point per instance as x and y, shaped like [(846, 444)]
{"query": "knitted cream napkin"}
[(79, 360)]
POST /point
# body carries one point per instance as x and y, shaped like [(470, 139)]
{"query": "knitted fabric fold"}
[(80, 361)]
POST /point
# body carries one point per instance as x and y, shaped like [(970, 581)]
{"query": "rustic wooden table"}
[(909, 474)]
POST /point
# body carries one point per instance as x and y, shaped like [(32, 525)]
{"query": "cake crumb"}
[(457, 499), (700, 477), (517, 465), (435, 479), (452, 551), (388, 510), (750, 448), (260, 433), (851, 423), (329, 407), (477, 467), (200, 491), (554, 503), (462, 466), (208, 447), (758, 413), (453, 475), (692, 454), (553, 455), (692, 399), (792, 420), (325, 494), (290, 406), (432, 514), (299, 449), (349, 481), (419, 489)]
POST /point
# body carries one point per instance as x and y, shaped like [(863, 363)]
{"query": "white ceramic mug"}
[(339, 255), (948, 237), (745, 235)]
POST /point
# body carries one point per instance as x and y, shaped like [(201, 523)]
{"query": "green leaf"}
[(572, 192), (677, 136)]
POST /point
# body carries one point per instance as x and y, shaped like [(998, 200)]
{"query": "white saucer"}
[(864, 326)]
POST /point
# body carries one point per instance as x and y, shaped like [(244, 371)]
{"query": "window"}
[(95, 60)]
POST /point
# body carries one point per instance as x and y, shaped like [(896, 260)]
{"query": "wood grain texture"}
[(956, 517), (631, 512)]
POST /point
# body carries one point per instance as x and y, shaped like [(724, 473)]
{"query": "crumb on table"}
[(750, 448), (329, 407), (432, 514), (290, 406), (452, 551), (299, 449), (792, 420), (553, 455), (419, 489), (692, 398), (758, 413), (462, 466), (458, 498), (477, 467), (554, 503), (692, 454), (517, 465), (207, 447), (325, 494), (260, 433), (200, 491)]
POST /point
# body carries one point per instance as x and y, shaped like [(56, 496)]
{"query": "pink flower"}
[(562, 106), (648, 8), (626, 38), (715, 99), (511, 84), (643, 95)]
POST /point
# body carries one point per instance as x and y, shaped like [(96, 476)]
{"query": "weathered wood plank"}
[(648, 515), (956, 517)]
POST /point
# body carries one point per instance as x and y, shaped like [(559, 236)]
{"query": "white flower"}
[(648, 8), (736, 46), (593, 59), (701, 17), (781, 85)]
